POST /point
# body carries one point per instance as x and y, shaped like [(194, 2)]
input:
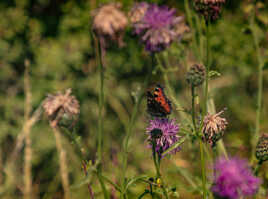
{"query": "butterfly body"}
[(158, 105)]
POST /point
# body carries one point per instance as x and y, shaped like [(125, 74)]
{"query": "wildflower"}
[(61, 106), (262, 148), (214, 127), (234, 179), (210, 9), (196, 75), (164, 132), (109, 22), (158, 27)]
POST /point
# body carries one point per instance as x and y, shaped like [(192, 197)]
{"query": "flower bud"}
[(196, 75), (262, 148)]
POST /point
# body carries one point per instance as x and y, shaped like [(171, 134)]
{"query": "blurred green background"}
[(55, 36)]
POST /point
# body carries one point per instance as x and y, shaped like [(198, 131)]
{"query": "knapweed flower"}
[(196, 75), (61, 105), (213, 127), (164, 132), (110, 22), (234, 179), (210, 9), (158, 27), (262, 148)]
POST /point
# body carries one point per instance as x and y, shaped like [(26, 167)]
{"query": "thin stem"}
[(207, 70), (190, 21), (91, 193), (156, 159), (129, 132), (193, 108), (257, 169), (63, 162), (202, 157), (256, 135), (101, 102), (100, 121), (28, 149)]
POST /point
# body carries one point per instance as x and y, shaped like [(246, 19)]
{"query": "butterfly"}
[(158, 105)]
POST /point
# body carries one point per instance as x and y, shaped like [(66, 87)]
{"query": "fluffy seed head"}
[(110, 22), (196, 75), (234, 179), (210, 9), (61, 105), (213, 128), (262, 148)]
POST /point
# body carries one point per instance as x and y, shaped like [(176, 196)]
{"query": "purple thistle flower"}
[(167, 138), (158, 27), (234, 179)]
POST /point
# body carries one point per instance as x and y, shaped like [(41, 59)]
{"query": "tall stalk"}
[(62, 161), (100, 120), (129, 132), (28, 143), (207, 66), (256, 135), (157, 160), (202, 156)]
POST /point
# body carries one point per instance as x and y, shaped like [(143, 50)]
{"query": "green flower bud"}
[(262, 148), (196, 75)]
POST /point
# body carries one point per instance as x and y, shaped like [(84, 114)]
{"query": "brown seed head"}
[(214, 127), (57, 105), (110, 21)]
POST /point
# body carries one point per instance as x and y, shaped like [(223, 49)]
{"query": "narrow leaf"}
[(177, 144)]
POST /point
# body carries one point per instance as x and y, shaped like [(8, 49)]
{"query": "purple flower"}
[(158, 27), (234, 179), (168, 134)]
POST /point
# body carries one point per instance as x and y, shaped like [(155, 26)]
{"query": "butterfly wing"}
[(158, 105)]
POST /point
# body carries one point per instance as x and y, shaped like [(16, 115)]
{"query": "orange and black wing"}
[(158, 105)]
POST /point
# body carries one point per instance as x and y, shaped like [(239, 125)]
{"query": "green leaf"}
[(265, 66), (177, 144), (133, 180), (112, 183), (213, 73)]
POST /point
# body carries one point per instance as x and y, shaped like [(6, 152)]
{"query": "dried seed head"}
[(61, 106), (210, 9), (214, 127), (262, 148), (137, 12), (196, 75), (110, 22)]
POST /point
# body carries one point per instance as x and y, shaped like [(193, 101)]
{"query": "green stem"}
[(260, 84), (156, 159), (202, 157), (128, 134), (207, 70), (190, 21), (100, 120), (257, 169), (193, 109)]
